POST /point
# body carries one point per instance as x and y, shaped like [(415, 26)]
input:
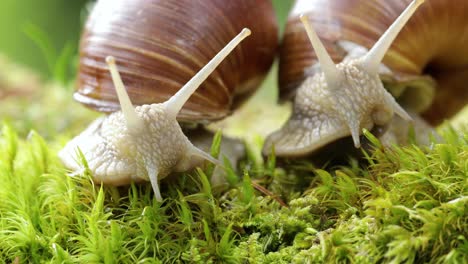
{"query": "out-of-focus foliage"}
[(28, 102), (59, 20)]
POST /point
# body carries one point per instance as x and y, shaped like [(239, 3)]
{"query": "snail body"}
[(152, 87), (351, 32)]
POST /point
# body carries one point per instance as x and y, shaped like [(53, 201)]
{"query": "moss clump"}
[(407, 204)]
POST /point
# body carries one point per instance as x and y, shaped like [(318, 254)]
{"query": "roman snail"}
[(157, 46), (425, 67)]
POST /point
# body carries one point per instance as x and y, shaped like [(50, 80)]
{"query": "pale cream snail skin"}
[(339, 100), (144, 142)]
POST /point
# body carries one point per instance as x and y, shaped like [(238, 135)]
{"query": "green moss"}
[(406, 205)]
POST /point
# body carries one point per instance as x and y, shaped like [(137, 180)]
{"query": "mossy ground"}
[(403, 205)]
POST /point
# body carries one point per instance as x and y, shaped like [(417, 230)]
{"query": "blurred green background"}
[(59, 20)]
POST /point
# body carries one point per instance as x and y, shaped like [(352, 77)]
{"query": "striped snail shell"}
[(161, 44), (161, 62), (418, 53)]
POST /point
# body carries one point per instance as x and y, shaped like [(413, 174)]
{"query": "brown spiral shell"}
[(430, 53), (160, 44)]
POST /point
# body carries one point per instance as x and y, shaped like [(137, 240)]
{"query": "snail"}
[(158, 46), (421, 66)]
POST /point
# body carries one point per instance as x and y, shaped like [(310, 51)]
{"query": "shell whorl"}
[(160, 45), (430, 52)]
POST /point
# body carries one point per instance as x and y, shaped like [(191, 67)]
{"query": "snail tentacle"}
[(153, 173), (399, 110), (175, 103), (354, 127), (202, 154), (332, 75), (375, 56), (134, 123)]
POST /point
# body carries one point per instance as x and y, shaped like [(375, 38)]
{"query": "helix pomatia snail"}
[(425, 65), (159, 45)]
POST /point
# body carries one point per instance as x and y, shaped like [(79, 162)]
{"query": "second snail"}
[(417, 56)]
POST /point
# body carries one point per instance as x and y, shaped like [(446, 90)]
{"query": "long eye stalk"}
[(175, 103), (133, 121), (332, 75), (375, 56)]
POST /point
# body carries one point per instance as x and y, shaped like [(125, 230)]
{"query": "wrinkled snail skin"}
[(427, 64), (333, 101), (144, 142), (161, 44)]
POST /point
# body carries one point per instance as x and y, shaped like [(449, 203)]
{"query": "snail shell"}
[(427, 62), (161, 44)]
